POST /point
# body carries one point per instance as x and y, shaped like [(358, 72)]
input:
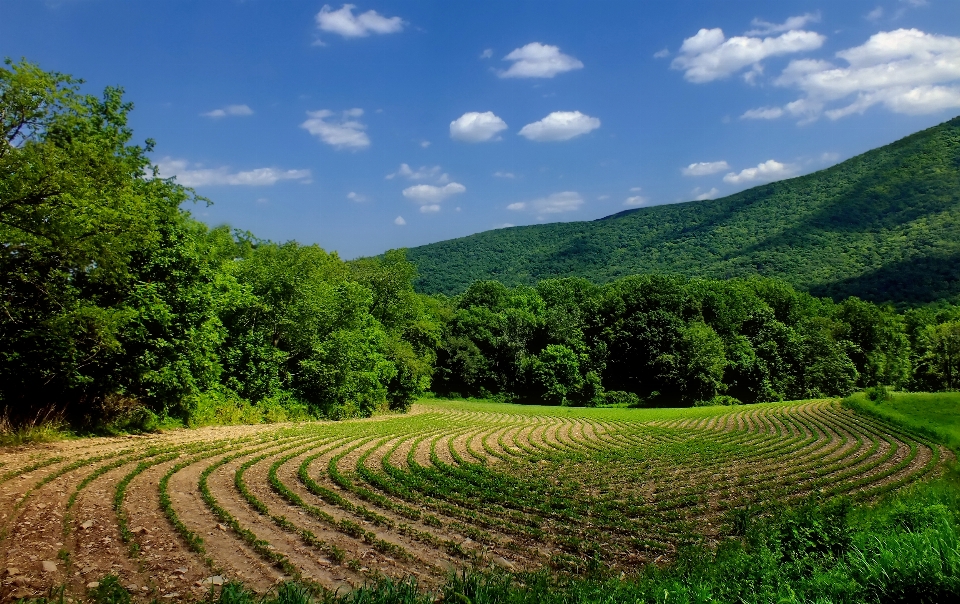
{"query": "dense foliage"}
[(117, 306), (115, 303), (662, 340), (883, 226)]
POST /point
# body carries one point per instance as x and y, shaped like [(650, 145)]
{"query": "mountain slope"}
[(884, 225)]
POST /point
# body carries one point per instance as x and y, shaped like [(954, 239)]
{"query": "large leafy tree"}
[(103, 290)]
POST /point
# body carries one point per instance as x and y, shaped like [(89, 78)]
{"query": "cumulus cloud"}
[(198, 176), (422, 173), (229, 110), (768, 171), (705, 168), (704, 195), (348, 25), (557, 203), (662, 54), (487, 53), (709, 55), (399, 221), (537, 60), (560, 126), (906, 71), (429, 195), (352, 196), (764, 28), (476, 127), (429, 208), (343, 132)]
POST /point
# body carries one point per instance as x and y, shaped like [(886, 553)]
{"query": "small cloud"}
[(537, 60), (430, 208), (424, 144), (662, 54), (829, 157), (435, 173), (356, 197), (768, 171), (432, 195), (500, 174), (262, 200), (505, 225), (700, 196), (636, 189), (705, 168), (198, 176), (486, 54), (603, 197), (636, 201), (557, 203), (916, 3), (229, 110), (399, 221), (348, 25), (875, 15), (342, 133), (476, 127), (764, 28), (762, 113), (560, 126)]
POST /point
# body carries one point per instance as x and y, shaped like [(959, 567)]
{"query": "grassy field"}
[(500, 490), (936, 414)]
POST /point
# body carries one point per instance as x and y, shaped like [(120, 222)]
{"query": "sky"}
[(376, 125)]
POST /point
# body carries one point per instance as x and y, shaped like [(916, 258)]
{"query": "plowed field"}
[(448, 485)]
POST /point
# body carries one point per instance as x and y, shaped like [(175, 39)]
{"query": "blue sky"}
[(386, 124)]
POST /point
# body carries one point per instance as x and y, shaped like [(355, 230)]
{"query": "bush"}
[(619, 398), (878, 394)]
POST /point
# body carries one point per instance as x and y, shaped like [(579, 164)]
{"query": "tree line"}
[(116, 305)]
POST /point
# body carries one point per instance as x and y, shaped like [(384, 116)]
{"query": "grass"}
[(933, 414)]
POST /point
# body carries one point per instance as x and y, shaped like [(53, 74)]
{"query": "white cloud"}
[(829, 157), (422, 173), (762, 113), (229, 110), (537, 60), (557, 203), (915, 3), (705, 168), (560, 126), (198, 176), (906, 71), (424, 144), (709, 55), (768, 171), (352, 196), (476, 127), (875, 14), (702, 196), (429, 208), (431, 194), (342, 133), (636, 201), (501, 174), (348, 25), (764, 28), (399, 221), (505, 225), (662, 54), (487, 53)]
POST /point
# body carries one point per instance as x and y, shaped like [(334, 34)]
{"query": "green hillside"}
[(884, 225)]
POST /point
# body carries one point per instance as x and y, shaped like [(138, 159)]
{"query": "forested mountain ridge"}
[(884, 226)]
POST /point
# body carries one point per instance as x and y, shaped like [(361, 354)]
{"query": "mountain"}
[(884, 226)]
